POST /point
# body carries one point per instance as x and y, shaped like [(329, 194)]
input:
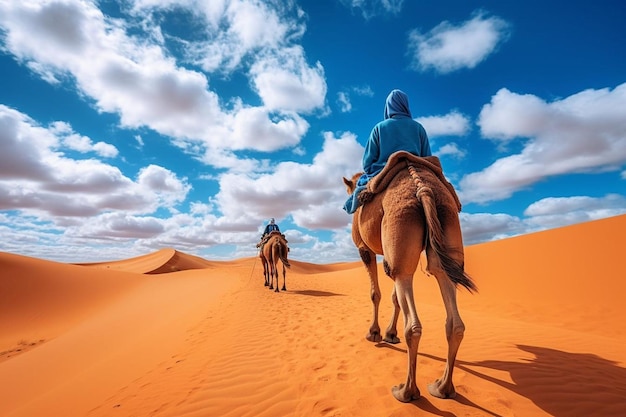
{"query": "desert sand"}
[(170, 334)]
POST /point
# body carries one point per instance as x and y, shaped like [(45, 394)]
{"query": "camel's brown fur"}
[(418, 210), (274, 249)]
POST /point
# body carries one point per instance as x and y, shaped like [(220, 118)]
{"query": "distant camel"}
[(274, 249), (410, 207)]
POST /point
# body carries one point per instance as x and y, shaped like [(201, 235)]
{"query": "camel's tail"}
[(280, 252), (434, 235), (283, 254)]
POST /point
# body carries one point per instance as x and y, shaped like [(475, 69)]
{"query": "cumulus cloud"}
[(451, 149), (544, 214), (560, 211), (229, 32), (118, 225), (80, 143), (137, 79), (284, 81), (447, 47), (313, 193), (252, 130), (480, 227), (584, 132), (451, 124), (37, 178)]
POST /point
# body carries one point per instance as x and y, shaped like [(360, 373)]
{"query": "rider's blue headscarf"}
[(397, 104)]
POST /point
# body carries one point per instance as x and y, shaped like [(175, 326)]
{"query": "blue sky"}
[(131, 126)]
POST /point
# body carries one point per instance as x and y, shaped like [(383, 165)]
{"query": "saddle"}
[(265, 238), (396, 163)]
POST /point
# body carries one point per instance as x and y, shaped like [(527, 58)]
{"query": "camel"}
[(272, 250), (410, 207)]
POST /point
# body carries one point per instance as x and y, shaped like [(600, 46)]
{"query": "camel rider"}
[(271, 227), (396, 132)]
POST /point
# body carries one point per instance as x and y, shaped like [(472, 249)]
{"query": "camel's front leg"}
[(455, 329), (369, 260), (270, 271), (408, 391), (275, 275), (265, 272)]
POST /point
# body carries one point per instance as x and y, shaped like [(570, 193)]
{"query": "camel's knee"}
[(413, 333), (455, 329)]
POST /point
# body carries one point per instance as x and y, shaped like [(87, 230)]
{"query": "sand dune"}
[(170, 334), (163, 261)]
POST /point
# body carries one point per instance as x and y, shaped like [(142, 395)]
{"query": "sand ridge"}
[(163, 261), (544, 335)]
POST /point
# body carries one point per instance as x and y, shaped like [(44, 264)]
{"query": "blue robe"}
[(397, 132)]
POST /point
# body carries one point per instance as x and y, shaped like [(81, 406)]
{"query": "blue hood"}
[(397, 104)]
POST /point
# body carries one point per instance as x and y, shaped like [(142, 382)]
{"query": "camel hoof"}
[(404, 395), (374, 337), (435, 391), (393, 339)]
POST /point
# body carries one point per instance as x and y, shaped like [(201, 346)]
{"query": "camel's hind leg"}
[(274, 256), (455, 328), (408, 390), (275, 274), (271, 267), (401, 259), (284, 279)]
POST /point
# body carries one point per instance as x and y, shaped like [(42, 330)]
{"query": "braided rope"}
[(422, 189)]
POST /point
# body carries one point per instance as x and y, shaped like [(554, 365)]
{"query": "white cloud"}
[(545, 214), (235, 30), (451, 149), (118, 225), (81, 143), (285, 82), (480, 227), (585, 132), (257, 128), (343, 100), (314, 192), (138, 79), (363, 90), (560, 211), (164, 184), (447, 48), (372, 8), (37, 179), (451, 124)]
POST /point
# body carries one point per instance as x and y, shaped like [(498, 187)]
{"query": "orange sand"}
[(170, 334)]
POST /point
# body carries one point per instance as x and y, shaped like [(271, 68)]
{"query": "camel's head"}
[(351, 183)]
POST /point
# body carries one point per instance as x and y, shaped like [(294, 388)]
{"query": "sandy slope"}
[(545, 335)]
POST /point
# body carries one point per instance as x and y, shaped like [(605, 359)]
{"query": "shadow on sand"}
[(315, 293), (562, 384)]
